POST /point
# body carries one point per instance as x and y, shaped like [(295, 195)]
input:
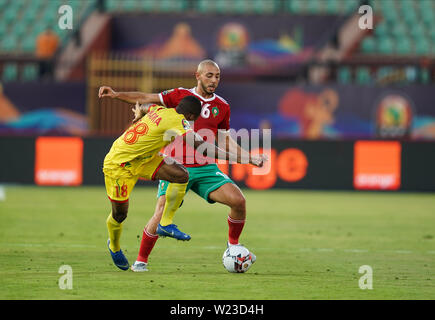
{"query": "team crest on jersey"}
[(167, 91), (186, 124), (215, 111)]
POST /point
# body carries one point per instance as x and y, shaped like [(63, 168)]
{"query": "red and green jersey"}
[(215, 115)]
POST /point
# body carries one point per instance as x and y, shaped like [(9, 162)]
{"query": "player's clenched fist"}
[(106, 92), (258, 161)]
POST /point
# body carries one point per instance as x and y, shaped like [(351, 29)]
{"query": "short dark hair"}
[(190, 104)]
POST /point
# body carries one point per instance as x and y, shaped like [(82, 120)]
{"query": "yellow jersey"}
[(145, 138)]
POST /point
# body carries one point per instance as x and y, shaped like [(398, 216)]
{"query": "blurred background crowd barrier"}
[(349, 108)]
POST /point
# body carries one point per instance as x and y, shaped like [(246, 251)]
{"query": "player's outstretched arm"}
[(129, 97), (230, 145), (207, 148)]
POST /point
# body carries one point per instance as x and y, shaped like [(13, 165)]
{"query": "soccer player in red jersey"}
[(205, 178)]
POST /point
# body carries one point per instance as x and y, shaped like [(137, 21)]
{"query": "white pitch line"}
[(356, 250), (325, 250), (402, 251), (75, 245), (2, 194), (210, 247), (68, 245), (359, 250)]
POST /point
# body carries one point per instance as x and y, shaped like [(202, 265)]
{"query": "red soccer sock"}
[(146, 245), (235, 228)]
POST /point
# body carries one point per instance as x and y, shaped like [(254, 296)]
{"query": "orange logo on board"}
[(58, 161), (377, 165)]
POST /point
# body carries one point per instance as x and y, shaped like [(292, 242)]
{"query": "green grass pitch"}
[(309, 245)]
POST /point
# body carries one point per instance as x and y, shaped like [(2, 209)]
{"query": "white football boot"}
[(139, 266)]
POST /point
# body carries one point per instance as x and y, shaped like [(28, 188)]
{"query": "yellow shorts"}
[(121, 179)]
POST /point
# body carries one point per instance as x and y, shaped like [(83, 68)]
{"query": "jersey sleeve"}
[(170, 98), (155, 107), (225, 123), (177, 127)]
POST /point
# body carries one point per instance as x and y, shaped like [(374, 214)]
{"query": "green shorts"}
[(202, 180)]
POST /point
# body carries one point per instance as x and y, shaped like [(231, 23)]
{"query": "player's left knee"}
[(239, 202), (119, 211)]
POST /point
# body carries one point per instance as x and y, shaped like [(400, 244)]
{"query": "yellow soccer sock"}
[(115, 230), (174, 196)]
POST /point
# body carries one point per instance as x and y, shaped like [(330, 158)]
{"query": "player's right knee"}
[(119, 212)]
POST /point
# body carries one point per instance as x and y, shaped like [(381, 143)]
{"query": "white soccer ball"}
[(237, 259)]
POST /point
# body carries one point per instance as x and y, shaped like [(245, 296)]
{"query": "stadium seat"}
[(20, 30), (28, 16), (331, 7), (381, 29), (28, 44), (425, 76), (398, 30), (202, 6), (344, 75), (368, 45), (335, 7), (50, 17), (385, 45), (389, 11), (422, 46), (265, 7), (156, 6), (428, 17), (113, 5), (363, 75), (418, 31), (30, 72), (296, 6), (35, 6), (10, 14), (351, 6), (411, 19), (3, 4), (8, 43), (313, 6), (129, 5), (432, 35), (21, 19), (238, 6), (3, 29), (10, 72), (404, 46)]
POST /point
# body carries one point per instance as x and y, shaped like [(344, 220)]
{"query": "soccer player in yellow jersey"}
[(135, 154)]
